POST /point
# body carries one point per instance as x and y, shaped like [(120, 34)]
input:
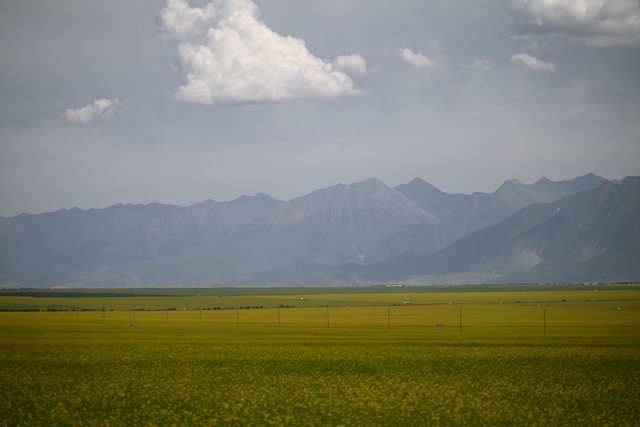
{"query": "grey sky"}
[(89, 114)]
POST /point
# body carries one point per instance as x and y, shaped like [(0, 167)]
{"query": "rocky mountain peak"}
[(516, 194)]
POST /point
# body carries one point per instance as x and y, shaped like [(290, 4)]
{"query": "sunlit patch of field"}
[(366, 359)]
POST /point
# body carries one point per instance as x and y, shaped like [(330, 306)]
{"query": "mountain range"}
[(592, 235), (583, 229)]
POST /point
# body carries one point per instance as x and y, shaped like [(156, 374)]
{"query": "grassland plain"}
[(367, 359)]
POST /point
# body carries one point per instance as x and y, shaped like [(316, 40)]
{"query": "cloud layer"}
[(353, 64), (479, 63), (596, 22), (533, 63), (229, 55), (98, 109), (417, 60)]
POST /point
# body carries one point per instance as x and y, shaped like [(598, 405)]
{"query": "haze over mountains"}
[(583, 229), (593, 234)]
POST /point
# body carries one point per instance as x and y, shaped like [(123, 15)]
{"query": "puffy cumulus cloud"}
[(353, 64), (417, 60), (98, 109), (184, 23), (229, 55), (596, 22), (532, 63), (480, 64)]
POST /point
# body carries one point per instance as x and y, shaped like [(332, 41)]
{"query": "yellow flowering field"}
[(564, 358)]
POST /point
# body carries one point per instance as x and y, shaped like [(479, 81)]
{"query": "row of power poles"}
[(133, 317)]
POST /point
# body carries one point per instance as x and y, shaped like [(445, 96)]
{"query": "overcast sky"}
[(171, 101)]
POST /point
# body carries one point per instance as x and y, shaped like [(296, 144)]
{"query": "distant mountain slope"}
[(329, 226), (260, 239), (195, 225), (370, 198), (478, 211), (591, 236), (206, 243), (304, 271), (430, 198), (481, 210), (113, 245), (337, 224), (515, 194), (549, 191), (33, 241)]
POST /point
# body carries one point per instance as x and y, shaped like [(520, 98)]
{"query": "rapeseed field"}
[(492, 358)]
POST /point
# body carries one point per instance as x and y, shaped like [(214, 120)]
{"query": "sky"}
[(177, 102)]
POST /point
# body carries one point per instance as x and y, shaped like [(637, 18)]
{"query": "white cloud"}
[(417, 60), (480, 64), (596, 22), (353, 64), (98, 109), (532, 62), (229, 55)]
